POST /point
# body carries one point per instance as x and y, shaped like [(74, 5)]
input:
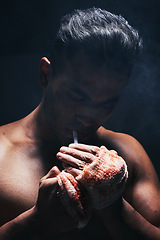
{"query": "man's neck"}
[(36, 128)]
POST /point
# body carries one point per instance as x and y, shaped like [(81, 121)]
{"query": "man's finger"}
[(74, 171), (85, 148), (71, 160), (52, 173), (78, 154)]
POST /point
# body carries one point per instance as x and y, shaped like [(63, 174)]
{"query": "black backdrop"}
[(27, 30)]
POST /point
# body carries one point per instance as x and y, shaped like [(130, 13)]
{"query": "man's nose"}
[(85, 121), (86, 115)]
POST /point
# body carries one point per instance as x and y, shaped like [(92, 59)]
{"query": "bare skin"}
[(28, 151)]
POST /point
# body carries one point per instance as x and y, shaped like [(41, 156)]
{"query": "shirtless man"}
[(91, 62)]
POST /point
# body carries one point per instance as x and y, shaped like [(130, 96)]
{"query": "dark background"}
[(27, 30)]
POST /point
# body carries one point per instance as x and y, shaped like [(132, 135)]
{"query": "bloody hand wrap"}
[(105, 178), (73, 198)]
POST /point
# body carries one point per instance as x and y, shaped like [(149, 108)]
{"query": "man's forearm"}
[(122, 221), (25, 226)]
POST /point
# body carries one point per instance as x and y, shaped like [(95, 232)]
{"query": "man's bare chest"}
[(19, 177)]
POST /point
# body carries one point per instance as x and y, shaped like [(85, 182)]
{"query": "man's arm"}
[(122, 221), (47, 218), (25, 226), (140, 209)]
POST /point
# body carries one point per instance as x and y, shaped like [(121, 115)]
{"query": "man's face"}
[(81, 98)]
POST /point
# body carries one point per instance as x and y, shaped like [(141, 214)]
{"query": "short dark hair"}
[(103, 36)]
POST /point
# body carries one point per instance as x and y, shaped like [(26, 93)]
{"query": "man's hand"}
[(47, 218), (50, 212), (76, 156), (102, 172)]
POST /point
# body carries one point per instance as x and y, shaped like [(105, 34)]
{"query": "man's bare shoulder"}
[(11, 149), (130, 149), (123, 143), (5, 139), (9, 135)]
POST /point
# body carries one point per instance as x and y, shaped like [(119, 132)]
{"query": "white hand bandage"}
[(73, 198), (105, 178)]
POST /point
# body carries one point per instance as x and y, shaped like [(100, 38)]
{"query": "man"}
[(91, 62)]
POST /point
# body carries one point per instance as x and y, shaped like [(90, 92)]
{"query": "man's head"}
[(106, 39), (91, 60)]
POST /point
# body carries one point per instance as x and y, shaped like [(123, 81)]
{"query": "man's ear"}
[(44, 72)]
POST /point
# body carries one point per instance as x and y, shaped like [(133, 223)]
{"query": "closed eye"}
[(109, 103), (76, 95)]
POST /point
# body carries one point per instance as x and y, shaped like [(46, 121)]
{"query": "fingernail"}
[(63, 149), (59, 155), (72, 145)]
